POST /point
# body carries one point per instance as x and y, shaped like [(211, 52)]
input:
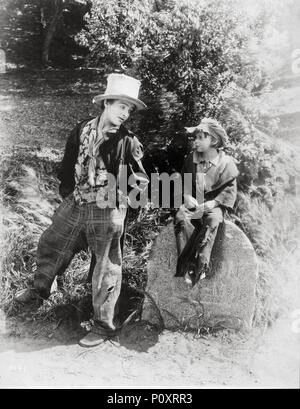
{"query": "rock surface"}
[(227, 299)]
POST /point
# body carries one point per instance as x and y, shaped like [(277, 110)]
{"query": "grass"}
[(29, 196), (28, 199), (274, 234)]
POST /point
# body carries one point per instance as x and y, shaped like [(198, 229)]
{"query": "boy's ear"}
[(215, 143)]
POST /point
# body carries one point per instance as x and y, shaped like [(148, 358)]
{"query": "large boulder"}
[(227, 299)]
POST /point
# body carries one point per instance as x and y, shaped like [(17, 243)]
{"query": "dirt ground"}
[(145, 358), (29, 358)]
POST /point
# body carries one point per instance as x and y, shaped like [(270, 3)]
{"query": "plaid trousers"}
[(103, 229)]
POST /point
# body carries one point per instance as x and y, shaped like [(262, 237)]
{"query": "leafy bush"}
[(185, 53), (195, 59)]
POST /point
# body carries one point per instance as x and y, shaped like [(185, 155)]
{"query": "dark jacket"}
[(224, 191), (112, 151)]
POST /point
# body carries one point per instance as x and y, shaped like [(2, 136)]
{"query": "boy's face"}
[(118, 111), (202, 141)]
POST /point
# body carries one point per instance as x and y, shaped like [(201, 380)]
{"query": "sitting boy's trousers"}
[(103, 229), (195, 239)]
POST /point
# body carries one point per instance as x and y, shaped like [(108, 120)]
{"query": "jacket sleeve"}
[(227, 196), (66, 171)]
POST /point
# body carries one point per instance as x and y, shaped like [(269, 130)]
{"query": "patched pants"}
[(195, 239), (103, 229)]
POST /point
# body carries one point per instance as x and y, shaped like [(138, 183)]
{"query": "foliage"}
[(185, 53), (275, 236), (195, 59), (25, 24)]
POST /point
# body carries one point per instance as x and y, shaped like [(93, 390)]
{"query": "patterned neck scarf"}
[(96, 137)]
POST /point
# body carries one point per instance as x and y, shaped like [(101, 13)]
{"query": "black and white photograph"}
[(149, 197)]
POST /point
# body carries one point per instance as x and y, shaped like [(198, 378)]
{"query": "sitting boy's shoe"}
[(28, 296), (189, 277)]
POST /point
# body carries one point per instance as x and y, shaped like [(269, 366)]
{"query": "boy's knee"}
[(212, 220), (214, 217), (180, 218)]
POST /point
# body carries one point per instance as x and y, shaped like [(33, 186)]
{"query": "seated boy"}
[(213, 182)]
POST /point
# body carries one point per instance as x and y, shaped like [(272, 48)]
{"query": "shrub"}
[(185, 53)]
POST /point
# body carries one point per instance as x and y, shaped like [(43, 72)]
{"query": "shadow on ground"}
[(63, 328)]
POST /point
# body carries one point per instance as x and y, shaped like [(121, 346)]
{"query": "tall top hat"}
[(120, 86)]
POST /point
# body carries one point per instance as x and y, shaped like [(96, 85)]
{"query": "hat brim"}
[(200, 127), (191, 129), (140, 105)]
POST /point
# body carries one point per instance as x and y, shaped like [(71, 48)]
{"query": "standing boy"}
[(95, 152), (213, 182)]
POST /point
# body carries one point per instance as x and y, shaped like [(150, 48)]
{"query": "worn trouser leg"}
[(195, 239), (185, 239), (104, 230), (56, 246), (83, 245), (210, 224), (183, 230)]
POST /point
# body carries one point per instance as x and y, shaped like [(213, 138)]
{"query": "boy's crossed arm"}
[(193, 209)]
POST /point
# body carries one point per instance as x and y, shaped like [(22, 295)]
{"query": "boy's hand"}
[(196, 213), (190, 202), (200, 209)]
